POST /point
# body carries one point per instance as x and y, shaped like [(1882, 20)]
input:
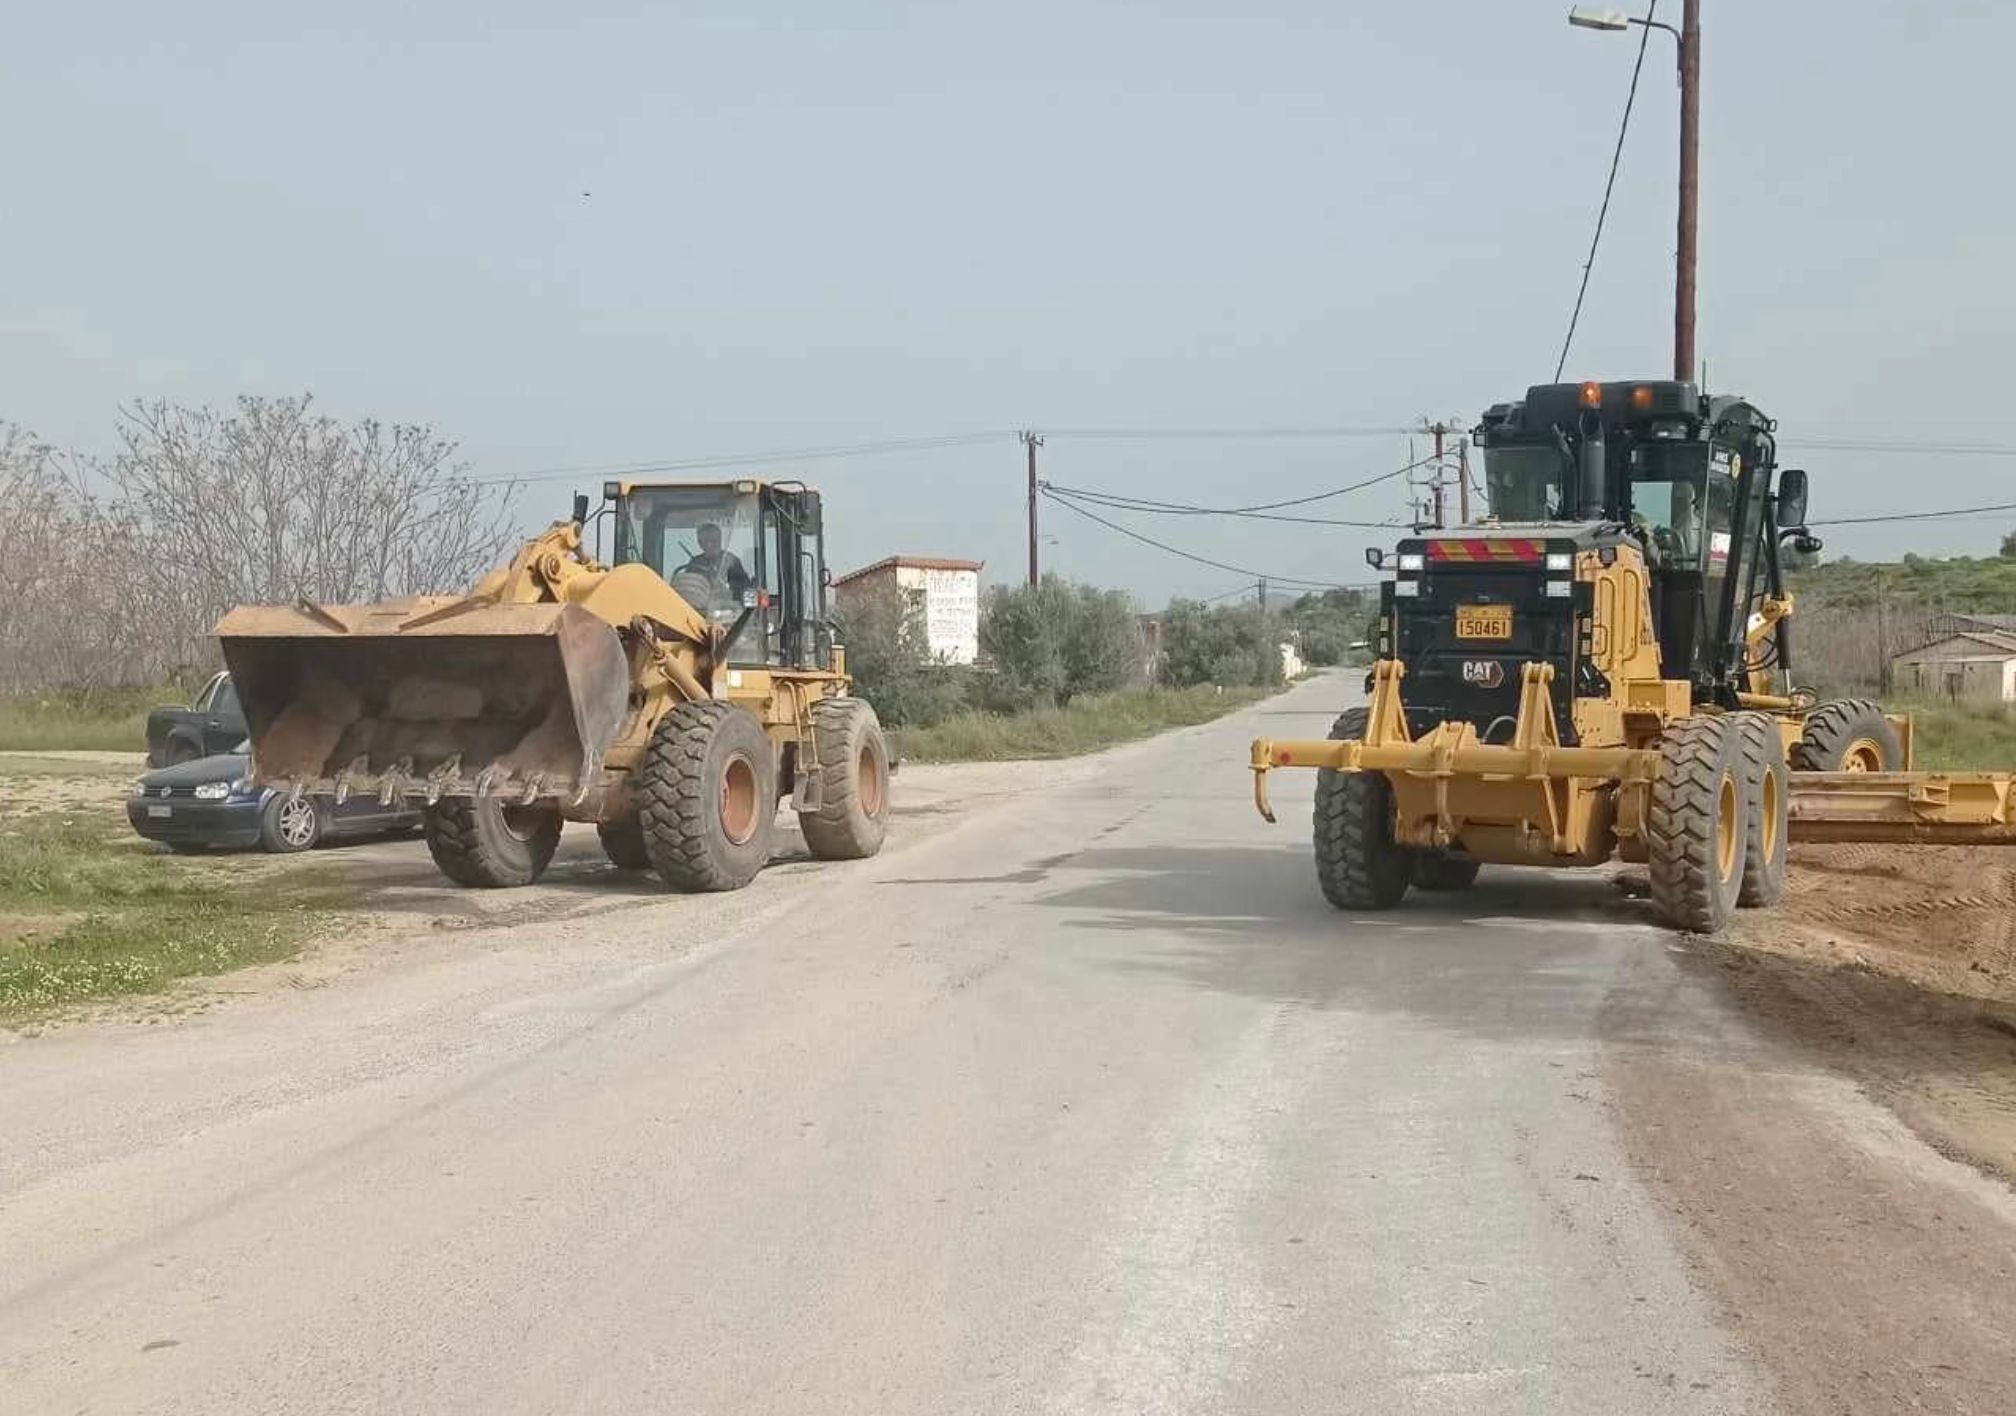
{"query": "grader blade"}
[(1909, 808), (428, 697)]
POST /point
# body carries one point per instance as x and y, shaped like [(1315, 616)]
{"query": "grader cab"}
[(672, 697), (1603, 667)]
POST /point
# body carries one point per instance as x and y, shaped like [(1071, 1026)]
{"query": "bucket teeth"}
[(488, 781), (441, 776), (360, 766), (397, 778), (533, 785)]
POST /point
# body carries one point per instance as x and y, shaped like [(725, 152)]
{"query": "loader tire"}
[(853, 813), (1438, 870), (487, 845), (1696, 824), (1358, 863), (1765, 838), (1850, 735), (707, 797), (623, 843)]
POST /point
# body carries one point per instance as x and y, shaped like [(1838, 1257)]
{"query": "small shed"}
[(950, 593), (1978, 665)]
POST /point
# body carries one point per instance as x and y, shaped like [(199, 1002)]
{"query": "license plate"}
[(1484, 622), (161, 811)]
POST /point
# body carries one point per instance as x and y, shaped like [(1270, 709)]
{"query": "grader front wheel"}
[(1698, 823), (1358, 863), (707, 797)]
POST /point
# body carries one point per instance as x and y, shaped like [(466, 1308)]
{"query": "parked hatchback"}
[(210, 802)]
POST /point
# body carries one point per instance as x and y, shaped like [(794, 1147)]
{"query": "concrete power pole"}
[(1690, 190), (1031, 441)]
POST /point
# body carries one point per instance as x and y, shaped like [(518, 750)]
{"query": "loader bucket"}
[(427, 697)]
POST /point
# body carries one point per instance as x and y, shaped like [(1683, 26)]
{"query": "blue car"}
[(209, 802)]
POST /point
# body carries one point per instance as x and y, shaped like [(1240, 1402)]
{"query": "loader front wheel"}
[(1697, 824), (1358, 863), (623, 843), (707, 797), (853, 812), (1848, 736), (1765, 839), (486, 845)]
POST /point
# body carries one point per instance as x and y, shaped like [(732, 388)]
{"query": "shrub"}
[(1230, 645), (1054, 641)]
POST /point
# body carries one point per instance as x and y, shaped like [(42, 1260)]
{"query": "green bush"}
[(1327, 624), (890, 659), (1055, 641), (1230, 645)]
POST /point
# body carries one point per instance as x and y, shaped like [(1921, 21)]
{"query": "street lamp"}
[(1688, 37)]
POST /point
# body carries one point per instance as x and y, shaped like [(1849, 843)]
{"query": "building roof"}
[(1997, 643), (910, 563)]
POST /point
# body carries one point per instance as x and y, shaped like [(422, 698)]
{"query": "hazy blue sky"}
[(818, 223)]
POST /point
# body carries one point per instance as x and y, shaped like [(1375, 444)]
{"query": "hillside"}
[(1986, 585)]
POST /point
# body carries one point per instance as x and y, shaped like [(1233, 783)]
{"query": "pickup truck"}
[(214, 723)]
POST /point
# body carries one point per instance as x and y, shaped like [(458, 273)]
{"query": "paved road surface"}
[(1078, 1099)]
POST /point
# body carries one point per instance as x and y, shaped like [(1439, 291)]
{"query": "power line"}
[(1224, 434), (1616, 155), (750, 459), (1190, 556), (1888, 445), (1914, 515), (1119, 502)]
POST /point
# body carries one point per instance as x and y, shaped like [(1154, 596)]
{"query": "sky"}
[(576, 236)]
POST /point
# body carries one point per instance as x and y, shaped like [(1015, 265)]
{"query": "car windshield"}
[(701, 539), (1523, 481), (1669, 500)]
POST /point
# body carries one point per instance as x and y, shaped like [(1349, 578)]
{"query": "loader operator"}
[(718, 565)]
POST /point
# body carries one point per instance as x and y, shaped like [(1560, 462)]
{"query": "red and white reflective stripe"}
[(1483, 550)]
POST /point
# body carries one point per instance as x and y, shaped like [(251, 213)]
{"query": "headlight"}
[(1560, 589), (1410, 560), (1560, 560), (212, 791), (1406, 587), (137, 789)]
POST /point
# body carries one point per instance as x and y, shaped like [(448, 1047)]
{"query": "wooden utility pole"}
[(1441, 516), (1031, 441), (1463, 479), (1690, 190)]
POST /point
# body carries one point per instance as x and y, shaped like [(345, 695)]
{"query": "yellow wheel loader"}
[(1603, 667), (673, 697)]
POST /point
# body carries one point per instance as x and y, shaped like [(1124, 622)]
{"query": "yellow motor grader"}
[(673, 698), (1603, 667)]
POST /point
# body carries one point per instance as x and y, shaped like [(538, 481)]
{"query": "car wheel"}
[(289, 823)]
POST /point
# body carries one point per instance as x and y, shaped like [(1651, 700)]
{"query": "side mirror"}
[(1375, 558), (580, 508), (1792, 497)]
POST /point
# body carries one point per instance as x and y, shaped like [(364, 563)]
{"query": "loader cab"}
[(748, 555)]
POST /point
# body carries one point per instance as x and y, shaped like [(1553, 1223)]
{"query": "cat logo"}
[(1483, 673)]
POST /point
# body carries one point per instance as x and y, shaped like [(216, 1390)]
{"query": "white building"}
[(949, 589)]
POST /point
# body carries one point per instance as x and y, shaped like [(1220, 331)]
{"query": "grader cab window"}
[(1524, 481), (702, 540)]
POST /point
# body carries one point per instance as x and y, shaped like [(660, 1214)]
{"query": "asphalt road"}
[(1077, 1099)]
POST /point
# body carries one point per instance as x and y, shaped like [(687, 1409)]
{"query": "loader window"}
[(702, 540)]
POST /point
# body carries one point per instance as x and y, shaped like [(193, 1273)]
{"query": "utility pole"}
[(1032, 442), (1441, 517), (1690, 189), (1463, 479), (1263, 596)]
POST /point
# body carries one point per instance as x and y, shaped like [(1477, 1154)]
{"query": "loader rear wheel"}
[(1765, 838), (487, 845), (707, 797), (1851, 735), (1438, 870), (853, 813), (623, 843), (1358, 863), (1697, 823)]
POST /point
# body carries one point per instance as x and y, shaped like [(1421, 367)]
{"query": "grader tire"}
[(1358, 863), (623, 843), (1696, 824), (1435, 870), (707, 797), (484, 844), (1851, 735), (1766, 836), (853, 813)]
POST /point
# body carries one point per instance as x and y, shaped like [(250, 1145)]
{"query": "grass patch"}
[(1087, 725), (104, 720), (129, 919), (1962, 736)]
